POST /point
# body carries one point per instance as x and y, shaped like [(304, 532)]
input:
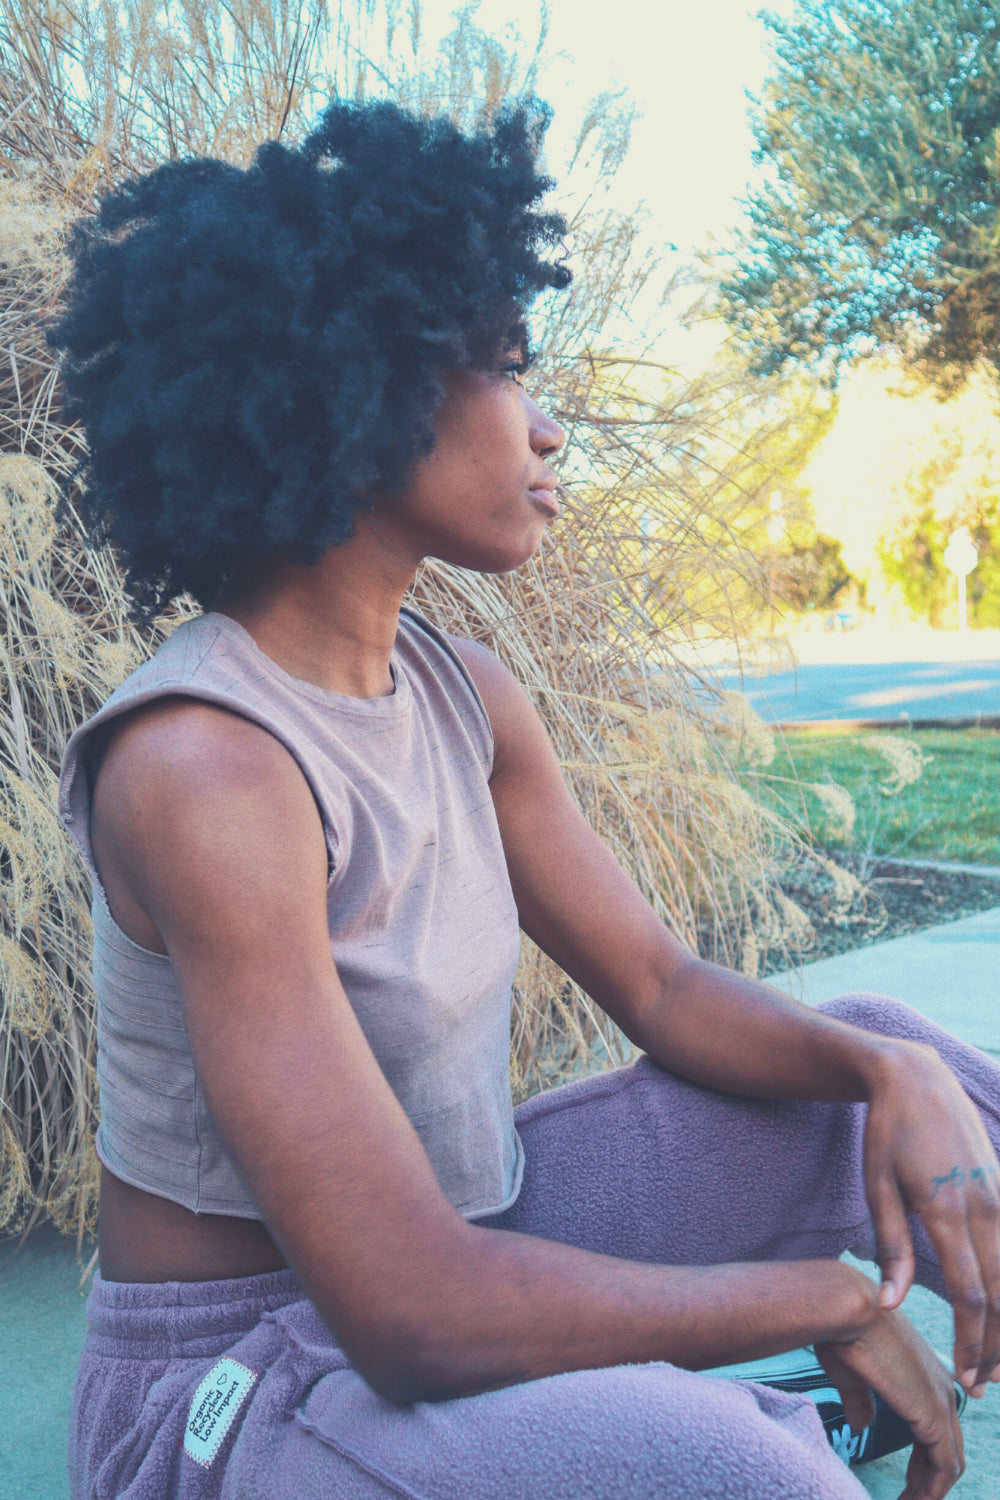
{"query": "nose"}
[(545, 433)]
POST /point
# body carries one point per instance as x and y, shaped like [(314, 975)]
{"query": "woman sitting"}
[(334, 1261)]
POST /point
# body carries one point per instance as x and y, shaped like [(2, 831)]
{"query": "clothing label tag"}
[(214, 1407)]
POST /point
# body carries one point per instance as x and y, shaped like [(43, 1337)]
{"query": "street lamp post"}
[(960, 557)]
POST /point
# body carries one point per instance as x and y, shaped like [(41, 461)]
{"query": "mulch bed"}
[(899, 899)]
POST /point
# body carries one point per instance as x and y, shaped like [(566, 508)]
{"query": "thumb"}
[(895, 1245)]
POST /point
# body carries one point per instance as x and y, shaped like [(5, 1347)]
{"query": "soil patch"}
[(898, 899)]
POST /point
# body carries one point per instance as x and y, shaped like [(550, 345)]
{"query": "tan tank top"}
[(423, 925)]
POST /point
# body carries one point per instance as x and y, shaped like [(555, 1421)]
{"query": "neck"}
[(332, 623)]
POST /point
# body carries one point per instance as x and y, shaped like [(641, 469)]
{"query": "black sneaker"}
[(800, 1371)]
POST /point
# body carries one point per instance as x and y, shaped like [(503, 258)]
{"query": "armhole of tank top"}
[(442, 642)]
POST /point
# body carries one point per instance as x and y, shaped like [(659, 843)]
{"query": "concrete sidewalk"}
[(41, 1335), (950, 973)]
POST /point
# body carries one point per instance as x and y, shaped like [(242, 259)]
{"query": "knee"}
[(688, 1436), (753, 1441), (881, 1014)]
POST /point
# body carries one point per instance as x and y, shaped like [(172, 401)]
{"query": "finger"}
[(958, 1437), (937, 1466), (984, 1219), (938, 1458), (855, 1392), (956, 1428), (934, 1467), (859, 1407), (925, 1481), (892, 1237), (963, 1229), (967, 1295)]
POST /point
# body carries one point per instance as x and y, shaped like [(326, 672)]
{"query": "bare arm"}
[(737, 1035), (212, 828)]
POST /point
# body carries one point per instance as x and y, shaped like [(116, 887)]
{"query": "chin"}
[(508, 564), (493, 559), (495, 569)]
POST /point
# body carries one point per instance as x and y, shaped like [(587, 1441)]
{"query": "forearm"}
[(513, 1308), (737, 1035)]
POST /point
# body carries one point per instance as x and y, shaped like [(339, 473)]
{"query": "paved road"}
[(876, 690)]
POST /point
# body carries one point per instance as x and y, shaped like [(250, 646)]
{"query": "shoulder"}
[(178, 740), (179, 761), (451, 680), (520, 737), (154, 705), (495, 683), (483, 665)]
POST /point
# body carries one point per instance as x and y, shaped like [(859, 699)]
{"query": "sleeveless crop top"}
[(423, 925)]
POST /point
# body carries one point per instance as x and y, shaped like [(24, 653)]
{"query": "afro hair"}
[(254, 353)]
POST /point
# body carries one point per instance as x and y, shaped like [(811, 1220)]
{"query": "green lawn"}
[(951, 811)]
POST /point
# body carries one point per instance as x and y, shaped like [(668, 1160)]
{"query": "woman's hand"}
[(891, 1358), (926, 1152)]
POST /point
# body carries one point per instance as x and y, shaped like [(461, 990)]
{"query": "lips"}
[(545, 497), (546, 500)]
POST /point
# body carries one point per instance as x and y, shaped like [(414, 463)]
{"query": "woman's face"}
[(482, 498)]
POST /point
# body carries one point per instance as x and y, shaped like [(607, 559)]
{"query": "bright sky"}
[(686, 64)]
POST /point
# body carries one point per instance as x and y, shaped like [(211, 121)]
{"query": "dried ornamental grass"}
[(651, 554), (839, 811), (903, 758), (53, 672)]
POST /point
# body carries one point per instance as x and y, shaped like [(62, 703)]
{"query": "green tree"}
[(955, 487), (913, 559), (879, 222), (812, 574)]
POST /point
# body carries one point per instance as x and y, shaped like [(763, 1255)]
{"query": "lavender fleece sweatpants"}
[(637, 1164)]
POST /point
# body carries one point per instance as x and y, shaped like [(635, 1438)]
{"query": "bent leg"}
[(634, 1432), (305, 1426), (643, 1165)]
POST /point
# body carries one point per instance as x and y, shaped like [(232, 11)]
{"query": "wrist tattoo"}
[(956, 1177)]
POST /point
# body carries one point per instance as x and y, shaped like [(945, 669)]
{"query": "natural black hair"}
[(253, 353)]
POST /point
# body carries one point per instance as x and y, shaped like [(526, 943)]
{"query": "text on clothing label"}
[(214, 1407)]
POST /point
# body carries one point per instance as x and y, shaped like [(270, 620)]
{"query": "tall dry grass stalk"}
[(663, 477)]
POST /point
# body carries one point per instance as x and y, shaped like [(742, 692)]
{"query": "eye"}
[(513, 361)]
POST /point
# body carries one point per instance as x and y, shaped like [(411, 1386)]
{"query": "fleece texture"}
[(637, 1164)]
